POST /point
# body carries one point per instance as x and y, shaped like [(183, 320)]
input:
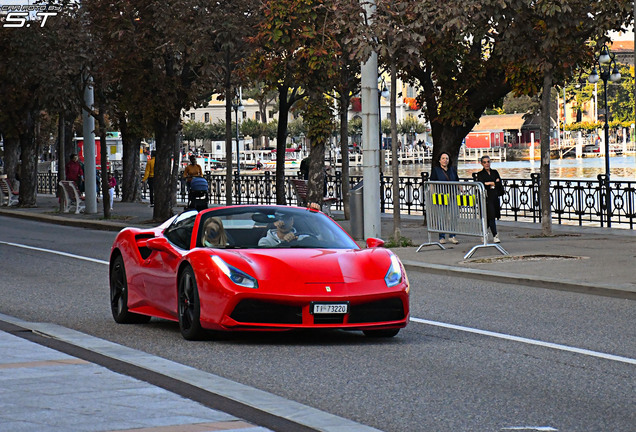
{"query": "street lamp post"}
[(608, 71), (382, 93), (237, 104)]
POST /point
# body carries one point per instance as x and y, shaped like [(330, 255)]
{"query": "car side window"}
[(179, 232)]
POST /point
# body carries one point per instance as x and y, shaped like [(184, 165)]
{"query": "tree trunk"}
[(318, 127), (28, 163), (344, 152), (61, 157), (281, 138), (166, 135), (103, 155), (70, 145), (131, 172), (315, 184), (176, 157), (544, 186), (11, 159), (394, 158), (228, 142), (448, 139)]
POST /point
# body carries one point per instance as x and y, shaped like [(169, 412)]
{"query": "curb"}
[(513, 278), (302, 416), (83, 223)]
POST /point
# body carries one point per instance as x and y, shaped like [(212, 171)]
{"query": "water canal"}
[(621, 168)]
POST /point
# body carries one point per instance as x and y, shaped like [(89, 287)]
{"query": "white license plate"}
[(330, 308)]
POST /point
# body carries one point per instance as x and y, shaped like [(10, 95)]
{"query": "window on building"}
[(271, 114), (207, 117), (244, 115), (192, 116), (410, 91), (258, 116)]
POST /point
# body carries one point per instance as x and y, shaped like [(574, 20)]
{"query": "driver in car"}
[(283, 232)]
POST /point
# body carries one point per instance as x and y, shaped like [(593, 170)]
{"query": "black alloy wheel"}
[(189, 307), (119, 295)]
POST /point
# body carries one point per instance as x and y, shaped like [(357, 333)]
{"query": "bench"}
[(71, 197), (7, 194), (300, 188)]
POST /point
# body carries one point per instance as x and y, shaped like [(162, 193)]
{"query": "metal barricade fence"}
[(457, 208)]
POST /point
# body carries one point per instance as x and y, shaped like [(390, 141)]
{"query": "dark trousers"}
[(492, 224), (151, 189)]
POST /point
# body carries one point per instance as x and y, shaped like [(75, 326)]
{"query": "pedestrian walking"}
[(149, 177), (112, 182), (74, 171), (494, 189), (445, 172)]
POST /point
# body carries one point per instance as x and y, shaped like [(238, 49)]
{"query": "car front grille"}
[(391, 309), (251, 311), (329, 319), (256, 311)]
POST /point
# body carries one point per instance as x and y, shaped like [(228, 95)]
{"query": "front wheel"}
[(119, 295), (386, 333), (189, 306)]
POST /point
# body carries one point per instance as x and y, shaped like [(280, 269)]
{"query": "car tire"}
[(189, 306), (386, 333), (119, 295)]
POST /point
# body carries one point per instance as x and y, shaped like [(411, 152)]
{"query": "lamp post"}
[(382, 93), (608, 71), (237, 104)]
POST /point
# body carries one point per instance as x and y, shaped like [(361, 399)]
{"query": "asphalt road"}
[(429, 378)]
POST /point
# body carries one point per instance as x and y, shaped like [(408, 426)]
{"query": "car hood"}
[(312, 265)]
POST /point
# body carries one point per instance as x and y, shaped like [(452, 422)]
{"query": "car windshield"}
[(270, 227)]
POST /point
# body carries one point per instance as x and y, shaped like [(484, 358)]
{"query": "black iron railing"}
[(573, 201)]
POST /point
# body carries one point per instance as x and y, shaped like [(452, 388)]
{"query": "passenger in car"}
[(214, 233)]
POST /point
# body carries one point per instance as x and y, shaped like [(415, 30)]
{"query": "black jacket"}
[(438, 174), (493, 208)]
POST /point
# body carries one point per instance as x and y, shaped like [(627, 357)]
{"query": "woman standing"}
[(494, 189), (445, 172)]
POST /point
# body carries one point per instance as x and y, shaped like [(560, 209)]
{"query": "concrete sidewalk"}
[(583, 259), (49, 391), (54, 379)]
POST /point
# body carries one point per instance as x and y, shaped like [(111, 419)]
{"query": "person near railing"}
[(494, 189), (445, 172)]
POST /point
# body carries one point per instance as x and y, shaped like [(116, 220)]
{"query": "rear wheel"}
[(119, 295), (386, 333), (189, 306)]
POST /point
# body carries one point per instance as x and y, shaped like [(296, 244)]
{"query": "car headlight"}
[(235, 275), (394, 275)]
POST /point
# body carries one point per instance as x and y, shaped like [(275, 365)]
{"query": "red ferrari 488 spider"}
[(256, 268)]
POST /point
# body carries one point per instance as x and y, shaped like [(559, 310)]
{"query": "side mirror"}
[(374, 242), (161, 244)]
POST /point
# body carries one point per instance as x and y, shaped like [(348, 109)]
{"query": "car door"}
[(160, 282)]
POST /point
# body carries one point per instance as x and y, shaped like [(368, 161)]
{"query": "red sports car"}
[(256, 268)]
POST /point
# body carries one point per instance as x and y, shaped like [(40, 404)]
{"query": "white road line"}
[(529, 341), (55, 252), (531, 428)]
